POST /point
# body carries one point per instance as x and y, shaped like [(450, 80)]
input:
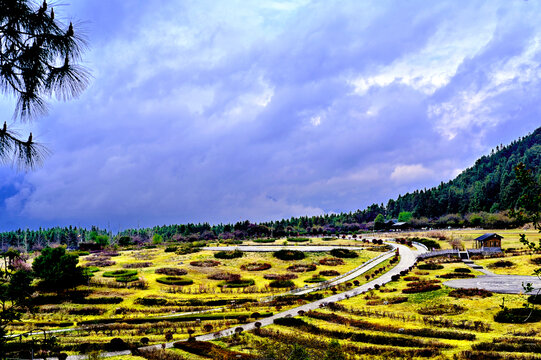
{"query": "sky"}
[(221, 111)]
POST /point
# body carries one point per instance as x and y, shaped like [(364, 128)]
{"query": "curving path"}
[(408, 257)]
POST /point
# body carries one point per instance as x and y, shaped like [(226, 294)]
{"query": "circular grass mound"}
[(331, 261), (298, 239), (315, 279), (171, 271), (344, 253), (205, 263), (126, 279), (174, 280), (238, 283), (288, 255), (120, 273), (264, 241), (255, 267), (302, 268)]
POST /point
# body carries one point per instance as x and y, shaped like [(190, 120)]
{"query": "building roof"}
[(401, 223), (488, 236)]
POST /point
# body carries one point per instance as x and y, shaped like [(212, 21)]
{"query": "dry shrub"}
[(331, 261), (205, 263), (255, 267), (137, 265), (171, 271), (100, 263), (302, 268), (280, 276), (329, 273), (468, 293), (441, 309), (224, 276)]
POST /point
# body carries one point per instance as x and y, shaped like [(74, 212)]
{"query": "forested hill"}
[(478, 196), (489, 185)]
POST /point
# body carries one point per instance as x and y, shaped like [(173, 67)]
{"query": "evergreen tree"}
[(58, 270)]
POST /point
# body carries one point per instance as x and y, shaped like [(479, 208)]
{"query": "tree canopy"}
[(58, 270)]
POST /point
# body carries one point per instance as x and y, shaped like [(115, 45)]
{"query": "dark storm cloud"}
[(224, 111)]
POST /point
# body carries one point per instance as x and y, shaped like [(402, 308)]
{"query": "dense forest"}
[(479, 196)]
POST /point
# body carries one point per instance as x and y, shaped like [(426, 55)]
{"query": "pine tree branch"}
[(25, 154)]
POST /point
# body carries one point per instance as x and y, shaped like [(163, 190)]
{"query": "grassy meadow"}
[(415, 316)]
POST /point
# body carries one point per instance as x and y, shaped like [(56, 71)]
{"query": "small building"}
[(489, 240), (401, 225)]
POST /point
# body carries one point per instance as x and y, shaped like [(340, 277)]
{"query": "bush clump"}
[(264, 241), (205, 263), (99, 263), (501, 264), (518, 316), (421, 286), (229, 254), (298, 239), (288, 255), (255, 267), (224, 276), (171, 271), (174, 280), (456, 275), (430, 266), (468, 293), (331, 261), (344, 253), (172, 248), (429, 243), (329, 273), (137, 265), (280, 276), (302, 267), (282, 284), (536, 260)]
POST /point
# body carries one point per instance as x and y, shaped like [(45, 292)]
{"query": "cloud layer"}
[(224, 111)]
